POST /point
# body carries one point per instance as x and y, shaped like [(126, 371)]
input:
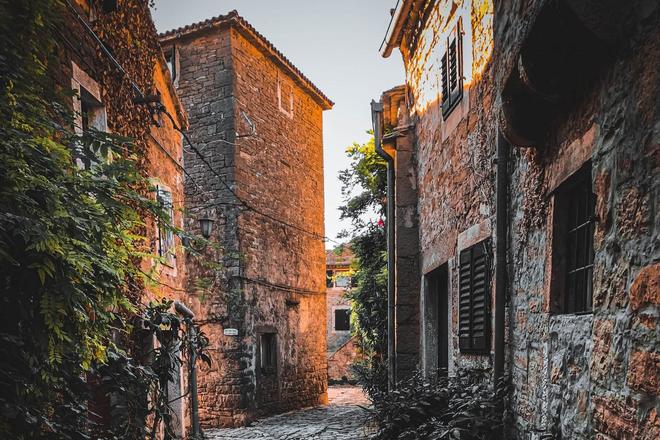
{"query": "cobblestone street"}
[(342, 419)]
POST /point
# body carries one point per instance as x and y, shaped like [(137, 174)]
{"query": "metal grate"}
[(579, 243)]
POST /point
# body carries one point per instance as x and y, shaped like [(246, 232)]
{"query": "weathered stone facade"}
[(341, 347), (257, 122), (578, 375), (107, 101)]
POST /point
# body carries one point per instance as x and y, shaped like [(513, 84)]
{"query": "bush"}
[(460, 407)]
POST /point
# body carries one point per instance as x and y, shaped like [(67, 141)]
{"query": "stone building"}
[(526, 151), (341, 346), (106, 101), (256, 170)]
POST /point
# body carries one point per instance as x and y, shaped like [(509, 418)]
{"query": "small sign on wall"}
[(230, 332)]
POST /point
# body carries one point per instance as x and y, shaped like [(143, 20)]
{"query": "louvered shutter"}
[(474, 300), (445, 83), (452, 70)]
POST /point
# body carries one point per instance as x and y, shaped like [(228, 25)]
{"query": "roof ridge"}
[(234, 17)]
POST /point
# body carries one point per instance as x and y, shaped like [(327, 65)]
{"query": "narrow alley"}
[(344, 418)]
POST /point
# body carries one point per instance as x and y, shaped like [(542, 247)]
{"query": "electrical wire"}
[(203, 158)]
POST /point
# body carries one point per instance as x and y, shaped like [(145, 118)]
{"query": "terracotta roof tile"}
[(233, 18)]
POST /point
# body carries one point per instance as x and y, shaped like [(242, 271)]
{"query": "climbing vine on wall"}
[(71, 242)]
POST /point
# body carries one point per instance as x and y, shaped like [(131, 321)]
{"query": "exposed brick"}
[(271, 277), (645, 289), (614, 417), (644, 372)]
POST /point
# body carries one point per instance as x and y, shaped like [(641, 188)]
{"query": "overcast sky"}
[(335, 44)]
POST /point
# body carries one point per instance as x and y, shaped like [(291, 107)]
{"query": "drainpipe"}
[(500, 253), (377, 120)]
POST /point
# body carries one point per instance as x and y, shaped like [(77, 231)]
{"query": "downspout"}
[(500, 253), (377, 120)]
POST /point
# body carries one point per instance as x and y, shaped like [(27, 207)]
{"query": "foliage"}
[(71, 244), (364, 186), (139, 387), (363, 189), (460, 407)]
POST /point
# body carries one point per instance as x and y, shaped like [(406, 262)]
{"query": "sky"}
[(335, 44)]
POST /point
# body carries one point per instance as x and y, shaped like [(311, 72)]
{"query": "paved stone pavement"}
[(341, 419)]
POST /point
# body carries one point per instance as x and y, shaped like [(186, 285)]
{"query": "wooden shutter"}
[(474, 300), (452, 70)]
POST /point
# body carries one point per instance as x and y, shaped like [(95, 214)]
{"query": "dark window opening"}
[(438, 304), (109, 6), (452, 71), (328, 279), (474, 300), (573, 248), (268, 354), (342, 320)]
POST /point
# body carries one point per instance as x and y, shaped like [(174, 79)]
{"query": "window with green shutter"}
[(474, 300), (452, 71)]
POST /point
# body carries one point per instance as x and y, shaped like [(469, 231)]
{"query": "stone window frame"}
[(168, 241), (563, 197), (173, 62), (87, 92), (83, 84), (334, 320), (450, 121), (169, 265), (280, 83), (569, 160)]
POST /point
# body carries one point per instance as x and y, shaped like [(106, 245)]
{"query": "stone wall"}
[(268, 274), (279, 172), (340, 362), (158, 148), (593, 375), (588, 375), (335, 299), (452, 156)]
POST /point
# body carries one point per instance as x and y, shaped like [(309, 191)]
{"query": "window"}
[(452, 71), (573, 248), (343, 281), (89, 115), (342, 320), (474, 300), (108, 6), (285, 97), (170, 59), (268, 352), (328, 279), (165, 234)]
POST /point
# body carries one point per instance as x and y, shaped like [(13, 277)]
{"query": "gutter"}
[(500, 254), (397, 22), (377, 121)]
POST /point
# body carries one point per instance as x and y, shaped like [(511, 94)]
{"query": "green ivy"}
[(364, 186), (71, 243)]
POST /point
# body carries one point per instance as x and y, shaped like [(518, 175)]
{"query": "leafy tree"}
[(364, 186)]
